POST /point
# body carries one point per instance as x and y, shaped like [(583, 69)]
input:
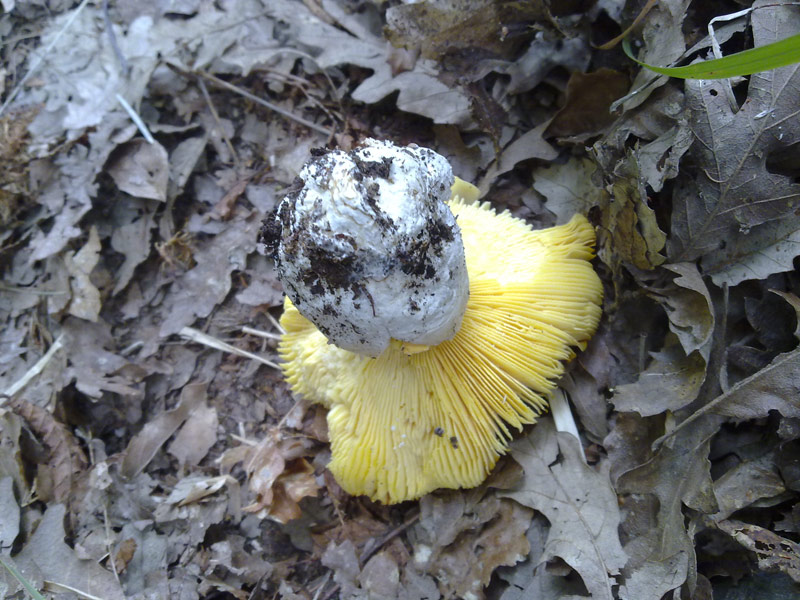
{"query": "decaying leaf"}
[(629, 229), (465, 28), (578, 501), (741, 202), (774, 553), (9, 524), (671, 369), (66, 459), (586, 109), (47, 553), (279, 475), (141, 169), (464, 543), (745, 484), (85, 302), (196, 436), (419, 90), (144, 445), (569, 188), (690, 309), (663, 557)]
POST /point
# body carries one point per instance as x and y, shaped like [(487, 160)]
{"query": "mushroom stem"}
[(563, 418)]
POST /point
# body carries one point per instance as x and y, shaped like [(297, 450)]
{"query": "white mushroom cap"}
[(368, 250)]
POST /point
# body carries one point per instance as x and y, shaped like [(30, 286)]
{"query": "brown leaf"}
[(196, 436), (578, 501), (629, 230), (586, 108), (774, 553), (47, 552), (85, 296), (279, 476), (124, 555), (739, 200), (66, 459), (141, 169), (144, 445), (670, 370), (469, 27)]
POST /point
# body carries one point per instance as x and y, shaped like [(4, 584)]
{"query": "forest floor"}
[(149, 447)]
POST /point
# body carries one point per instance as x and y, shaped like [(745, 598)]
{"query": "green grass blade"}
[(32, 591), (778, 54)]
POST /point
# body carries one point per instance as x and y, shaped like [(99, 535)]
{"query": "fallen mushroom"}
[(429, 325)]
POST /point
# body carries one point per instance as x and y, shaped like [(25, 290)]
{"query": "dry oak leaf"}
[(279, 475), (738, 208)]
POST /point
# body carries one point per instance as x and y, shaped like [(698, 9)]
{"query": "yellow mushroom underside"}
[(402, 426)]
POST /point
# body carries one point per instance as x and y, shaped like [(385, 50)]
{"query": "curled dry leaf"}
[(774, 552), (85, 296), (279, 475), (141, 169), (66, 459)]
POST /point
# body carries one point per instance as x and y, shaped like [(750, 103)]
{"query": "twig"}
[(367, 554), (259, 333), (276, 324), (198, 336), (202, 85), (33, 371), (42, 56), (136, 119), (112, 38), (273, 107)]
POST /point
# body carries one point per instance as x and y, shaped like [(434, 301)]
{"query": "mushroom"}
[(431, 326)]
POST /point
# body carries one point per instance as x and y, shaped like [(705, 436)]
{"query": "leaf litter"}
[(149, 449)]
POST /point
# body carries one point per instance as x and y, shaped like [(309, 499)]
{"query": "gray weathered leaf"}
[(690, 309), (671, 381), (735, 205), (578, 501), (568, 187), (678, 475), (47, 552)]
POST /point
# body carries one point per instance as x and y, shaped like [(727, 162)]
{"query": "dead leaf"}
[(279, 476), (462, 27), (9, 524), (66, 459), (141, 169), (737, 205), (772, 388), (47, 553), (529, 145), (629, 229), (145, 444), (420, 91), (569, 188), (124, 555), (690, 309), (578, 501), (670, 369), (663, 558), (85, 302), (588, 99), (133, 221), (774, 553), (744, 484), (196, 436)]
